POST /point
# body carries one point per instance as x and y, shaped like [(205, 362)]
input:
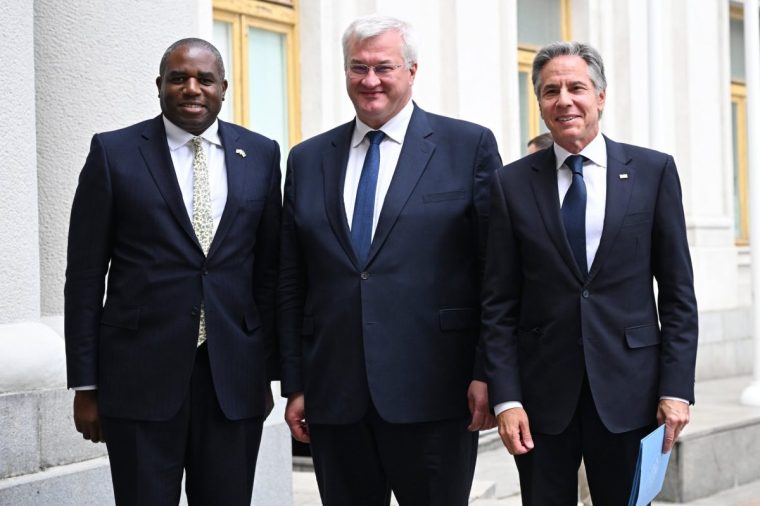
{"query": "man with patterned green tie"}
[(181, 215)]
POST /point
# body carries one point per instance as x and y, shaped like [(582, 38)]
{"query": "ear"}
[(158, 85), (412, 73), (224, 88), (600, 100)]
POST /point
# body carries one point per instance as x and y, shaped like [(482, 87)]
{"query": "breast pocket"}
[(430, 198)]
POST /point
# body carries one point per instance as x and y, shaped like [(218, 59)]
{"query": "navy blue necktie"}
[(574, 211), (364, 207)]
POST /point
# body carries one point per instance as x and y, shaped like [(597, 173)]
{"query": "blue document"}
[(650, 469)]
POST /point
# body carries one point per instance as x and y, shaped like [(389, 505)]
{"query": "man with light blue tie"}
[(582, 361), (383, 236)]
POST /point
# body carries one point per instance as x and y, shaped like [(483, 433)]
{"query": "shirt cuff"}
[(503, 406), (86, 387), (673, 399)]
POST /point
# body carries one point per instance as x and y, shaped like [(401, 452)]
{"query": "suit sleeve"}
[(487, 162), (677, 305), (88, 255), (265, 268), (291, 291), (501, 301)]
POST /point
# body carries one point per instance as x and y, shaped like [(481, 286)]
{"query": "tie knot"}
[(375, 137), (575, 163), (197, 142)]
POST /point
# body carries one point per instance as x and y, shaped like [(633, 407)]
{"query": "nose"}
[(371, 80), (563, 98), (192, 86)]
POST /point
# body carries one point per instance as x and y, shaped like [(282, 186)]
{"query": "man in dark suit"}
[(181, 213), (379, 287), (582, 360)]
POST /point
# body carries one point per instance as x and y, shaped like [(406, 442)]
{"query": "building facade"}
[(677, 81)]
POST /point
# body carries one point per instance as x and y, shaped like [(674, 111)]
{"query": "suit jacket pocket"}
[(458, 319), (120, 316), (641, 336), (636, 219), (440, 197)]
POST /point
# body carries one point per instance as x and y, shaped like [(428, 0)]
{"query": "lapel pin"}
[(242, 154), (623, 176)]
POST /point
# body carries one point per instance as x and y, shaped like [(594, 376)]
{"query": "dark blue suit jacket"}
[(547, 324), (404, 328), (128, 220)]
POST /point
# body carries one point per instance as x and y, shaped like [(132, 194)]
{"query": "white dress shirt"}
[(181, 149), (390, 149)]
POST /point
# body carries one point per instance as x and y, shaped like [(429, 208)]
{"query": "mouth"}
[(192, 107), (567, 118)]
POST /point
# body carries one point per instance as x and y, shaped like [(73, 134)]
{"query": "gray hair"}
[(542, 141), (192, 42), (373, 25), (590, 55)]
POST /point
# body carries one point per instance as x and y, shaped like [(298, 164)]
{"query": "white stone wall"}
[(96, 65), (19, 269)]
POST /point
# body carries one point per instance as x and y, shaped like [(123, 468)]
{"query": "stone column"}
[(751, 394)]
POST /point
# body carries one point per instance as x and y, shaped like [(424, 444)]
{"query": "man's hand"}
[(675, 415), (477, 400), (86, 416), (295, 417), (515, 431)]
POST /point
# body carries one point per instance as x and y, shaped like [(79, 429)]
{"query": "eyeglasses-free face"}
[(377, 81)]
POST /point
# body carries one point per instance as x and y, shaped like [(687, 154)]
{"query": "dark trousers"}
[(549, 472), (218, 455), (424, 464)]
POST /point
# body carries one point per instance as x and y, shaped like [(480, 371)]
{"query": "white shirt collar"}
[(395, 128), (595, 151), (176, 137)]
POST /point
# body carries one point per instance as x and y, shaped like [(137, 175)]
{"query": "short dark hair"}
[(192, 42), (541, 141)]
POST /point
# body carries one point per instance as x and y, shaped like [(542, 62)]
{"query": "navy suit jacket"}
[(128, 220), (404, 328), (546, 324)]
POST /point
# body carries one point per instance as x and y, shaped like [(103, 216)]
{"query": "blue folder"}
[(650, 468)]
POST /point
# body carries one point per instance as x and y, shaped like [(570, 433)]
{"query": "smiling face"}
[(191, 88), (378, 99), (569, 104)]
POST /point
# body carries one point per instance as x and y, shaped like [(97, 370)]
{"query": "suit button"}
[(205, 272), (364, 275), (585, 294)]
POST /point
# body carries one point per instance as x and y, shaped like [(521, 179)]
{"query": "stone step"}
[(719, 449)]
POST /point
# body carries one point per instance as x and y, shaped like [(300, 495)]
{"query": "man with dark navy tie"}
[(582, 360), (383, 235), (181, 215)]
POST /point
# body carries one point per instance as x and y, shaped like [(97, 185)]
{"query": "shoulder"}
[(624, 153), (133, 131), (454, 126), (320, 142)]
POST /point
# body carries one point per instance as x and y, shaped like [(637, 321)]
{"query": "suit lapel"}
[(334, 162), (618, 197), (155, 152), (414, 157), (236, 182), (545, 190)]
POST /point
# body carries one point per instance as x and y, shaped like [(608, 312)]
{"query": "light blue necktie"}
[(364, 207), (574, 211)]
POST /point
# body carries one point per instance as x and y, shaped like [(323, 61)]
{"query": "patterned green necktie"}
[(203, 222)]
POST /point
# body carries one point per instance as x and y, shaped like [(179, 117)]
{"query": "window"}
[(258, 41), (739, 126), (539, 23)]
